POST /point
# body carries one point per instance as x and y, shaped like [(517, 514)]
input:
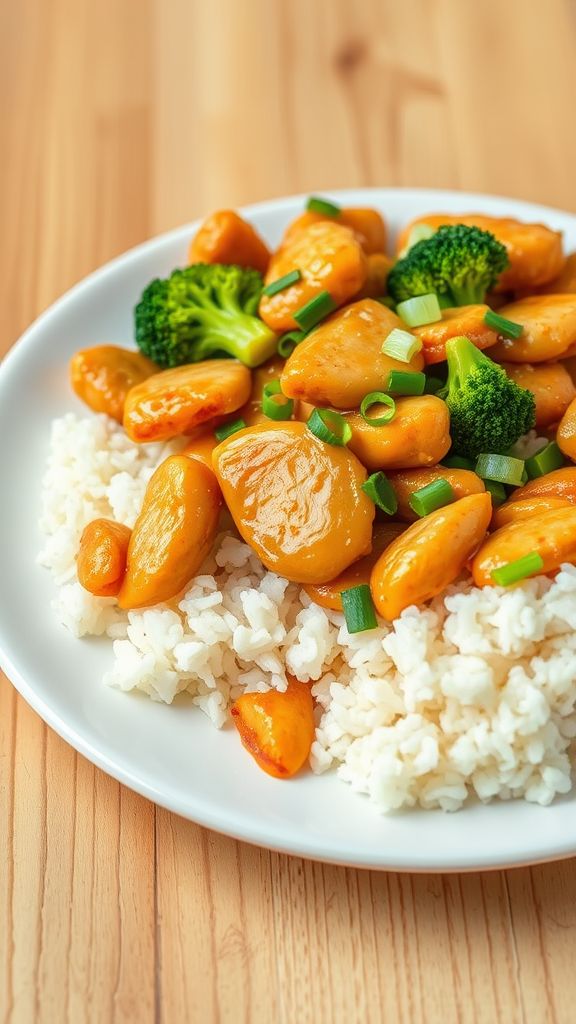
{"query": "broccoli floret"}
[(488, 411), (203, 311), (459, 263)]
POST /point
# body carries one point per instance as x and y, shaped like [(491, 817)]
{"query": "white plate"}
[(172, 754)]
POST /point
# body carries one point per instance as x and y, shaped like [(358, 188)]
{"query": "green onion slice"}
[(503, 468), (377, 398), (432, 496), (420, 310), (545, 461), (270, 407), (401, 345), (433, 385), (401, 383), (358, 609), (417, 234), (380, 491), (324, 206), (457, 462), (330, 427), (281, 283), (505, 327), (315, 310), (288, 342), (229, 428), (520, 569), (496, 490)]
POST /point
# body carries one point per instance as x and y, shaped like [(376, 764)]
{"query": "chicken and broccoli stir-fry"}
[(358, 415)]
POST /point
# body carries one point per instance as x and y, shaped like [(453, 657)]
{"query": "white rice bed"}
[(474, 694)]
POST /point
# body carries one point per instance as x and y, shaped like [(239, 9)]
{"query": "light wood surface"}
[(122, 118)]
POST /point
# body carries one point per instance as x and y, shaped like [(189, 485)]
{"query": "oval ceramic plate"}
[(172, 754)]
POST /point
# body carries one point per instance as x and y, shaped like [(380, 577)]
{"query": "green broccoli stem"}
[(467, 294), (462, 356), (249, 339)]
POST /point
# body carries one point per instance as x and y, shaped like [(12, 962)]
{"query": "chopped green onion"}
[(358, 609), (401, 383), (417, 234), (386, 300), (270, 407), (330, 427), (281, 283), (288, 342), (401, 345), (380, 491), (318, 205), (518, 570), (457, 462), (432, 496), (507, 328), (377, 398), (314, 311), (545, 461), (229, 428), (433, 385), (503, 468), (420, 310), (496, 490)]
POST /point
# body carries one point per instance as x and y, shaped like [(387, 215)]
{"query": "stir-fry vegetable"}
[(202, 311), (534, 250), (460, 264), (488, 411)]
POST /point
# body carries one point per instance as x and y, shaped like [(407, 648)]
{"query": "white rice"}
[(474, 694)]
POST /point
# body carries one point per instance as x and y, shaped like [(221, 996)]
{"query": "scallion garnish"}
[(318, 205), (380, 491), (358, 609), (315, 310), (288, 342), (229, 428), (545, 461), (401, 345), (433, 385), (420, 310), (281, 283), (402, 383), (377, 398), (431, 497), (417, 234), (457, 462), (520, 569), (503, 468), (330, 427), (507, 328), (270, 407), (496, 490)]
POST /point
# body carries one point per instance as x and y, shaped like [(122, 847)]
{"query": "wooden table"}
[(123, 118)]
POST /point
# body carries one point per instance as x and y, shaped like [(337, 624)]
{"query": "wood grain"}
[(127, 117)]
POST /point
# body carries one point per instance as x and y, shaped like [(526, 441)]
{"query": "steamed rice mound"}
[(473, 694)]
